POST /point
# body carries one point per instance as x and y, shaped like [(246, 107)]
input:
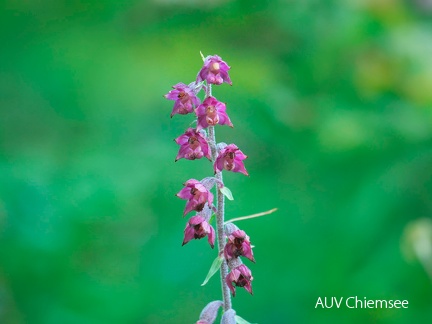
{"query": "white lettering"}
[(319, 302), (381, 302), (325, 302), (347, 302), (356, 302), (336, 302)]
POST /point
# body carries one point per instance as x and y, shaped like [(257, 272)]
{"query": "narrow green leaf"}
[(240, 320), (212, 218), (213, 269), (227, 193)]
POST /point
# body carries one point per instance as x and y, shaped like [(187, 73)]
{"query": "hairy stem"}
[(220, 215), (220, 223)]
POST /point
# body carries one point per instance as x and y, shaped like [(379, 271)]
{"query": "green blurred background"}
[(331, 100)]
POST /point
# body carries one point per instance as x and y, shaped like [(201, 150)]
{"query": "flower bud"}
[(209, 313), (229, 317)]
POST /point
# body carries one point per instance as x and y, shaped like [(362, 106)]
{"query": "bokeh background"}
[(331, 100)]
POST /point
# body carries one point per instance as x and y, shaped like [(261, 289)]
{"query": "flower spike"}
[(198, 141)]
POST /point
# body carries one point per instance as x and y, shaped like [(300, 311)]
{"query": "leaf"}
[(251, 216), (202, 56), (240, 320), (227, 193), (213, 269), (212, 218)]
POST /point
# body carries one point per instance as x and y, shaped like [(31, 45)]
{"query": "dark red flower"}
[(197, 196), (238, 245), (197, 228), (240, 276)]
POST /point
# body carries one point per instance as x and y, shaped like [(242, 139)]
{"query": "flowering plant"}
[(197, 143)]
